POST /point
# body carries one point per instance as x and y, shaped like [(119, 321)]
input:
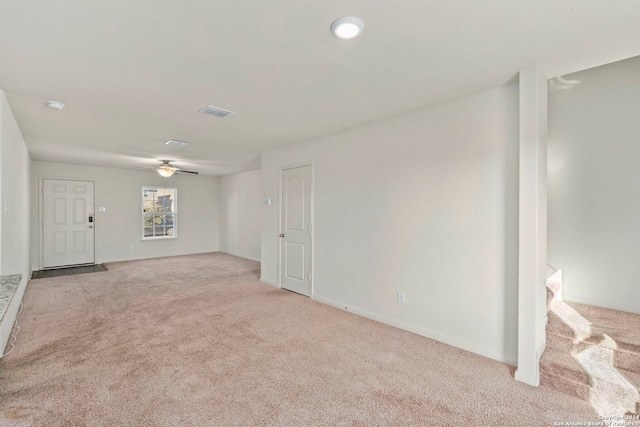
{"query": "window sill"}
[(151, 239)]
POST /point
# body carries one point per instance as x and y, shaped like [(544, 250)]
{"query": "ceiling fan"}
[(166, 169)]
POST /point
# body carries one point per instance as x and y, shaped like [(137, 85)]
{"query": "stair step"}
[(592, 353), (622, 326), (622, 359), (564, 372), (633, 377), (594, 326), (559, 342), (611, 391), (622, 343), (563, 365), (628, 361), (564, 385), (553, 286), (561, 372)]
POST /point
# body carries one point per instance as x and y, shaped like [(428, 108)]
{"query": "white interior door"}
[(68, 223), (295, 229)]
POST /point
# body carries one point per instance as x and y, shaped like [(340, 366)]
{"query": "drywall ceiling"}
[(133, 74)]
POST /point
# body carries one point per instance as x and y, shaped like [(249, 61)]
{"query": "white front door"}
[(295, 229), (68, 223)]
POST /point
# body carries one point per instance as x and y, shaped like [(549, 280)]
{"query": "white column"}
[(2, 142), (532, 225)]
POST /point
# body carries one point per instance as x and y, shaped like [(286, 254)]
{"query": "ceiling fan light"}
[(166, 171)]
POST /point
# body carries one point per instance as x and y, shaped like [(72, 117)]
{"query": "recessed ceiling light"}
[(177, 143), (215, 111), (347, 27), (55, 105)]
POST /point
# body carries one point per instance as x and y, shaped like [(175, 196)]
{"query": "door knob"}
[(281, 234)]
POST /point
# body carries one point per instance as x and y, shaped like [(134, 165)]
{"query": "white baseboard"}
[(613, 305), (482, 351), (532, 378), (527, 378), (268, 282), (241, 256)]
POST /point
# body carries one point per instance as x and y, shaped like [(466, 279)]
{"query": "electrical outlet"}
[(400, 297), (130, 246)]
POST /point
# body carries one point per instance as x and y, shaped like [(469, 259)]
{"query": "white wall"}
[(240, 214), (119, 229), (15, 165), (425, 203), (594, 184)]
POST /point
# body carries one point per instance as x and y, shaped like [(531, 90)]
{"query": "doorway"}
[(296, 228), (68, 225)]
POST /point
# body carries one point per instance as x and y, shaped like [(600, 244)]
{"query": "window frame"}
[(174, 213)]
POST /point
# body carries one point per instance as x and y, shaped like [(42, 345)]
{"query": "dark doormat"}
[(68, 271)]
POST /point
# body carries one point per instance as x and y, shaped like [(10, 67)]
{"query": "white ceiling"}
[(134, 74)]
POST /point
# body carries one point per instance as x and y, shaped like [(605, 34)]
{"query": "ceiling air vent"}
[(215, 111), (177, 143)]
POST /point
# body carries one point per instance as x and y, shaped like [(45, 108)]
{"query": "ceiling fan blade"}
[(184, 171), (167, 165)]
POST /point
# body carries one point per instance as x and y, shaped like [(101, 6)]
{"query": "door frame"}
[(312, 222), (41, 215)]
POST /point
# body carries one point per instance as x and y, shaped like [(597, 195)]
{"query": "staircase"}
[(592, 353)]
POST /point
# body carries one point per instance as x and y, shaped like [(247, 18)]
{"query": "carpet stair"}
[(626, 333), (592, 351), (626, 355), (634, 377), (561, 372)]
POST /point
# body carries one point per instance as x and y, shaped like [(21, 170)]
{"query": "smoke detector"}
[(215, 111), (55, 105), (180, 144)]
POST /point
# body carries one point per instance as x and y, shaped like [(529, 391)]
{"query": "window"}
[(159, 210)]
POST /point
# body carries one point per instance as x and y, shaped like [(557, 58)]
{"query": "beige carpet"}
[(199, 341)]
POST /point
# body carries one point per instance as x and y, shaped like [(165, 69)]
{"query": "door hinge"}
[(309, 276), (310, 227)]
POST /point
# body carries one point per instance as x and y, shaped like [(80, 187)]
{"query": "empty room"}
[(319, 213)]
